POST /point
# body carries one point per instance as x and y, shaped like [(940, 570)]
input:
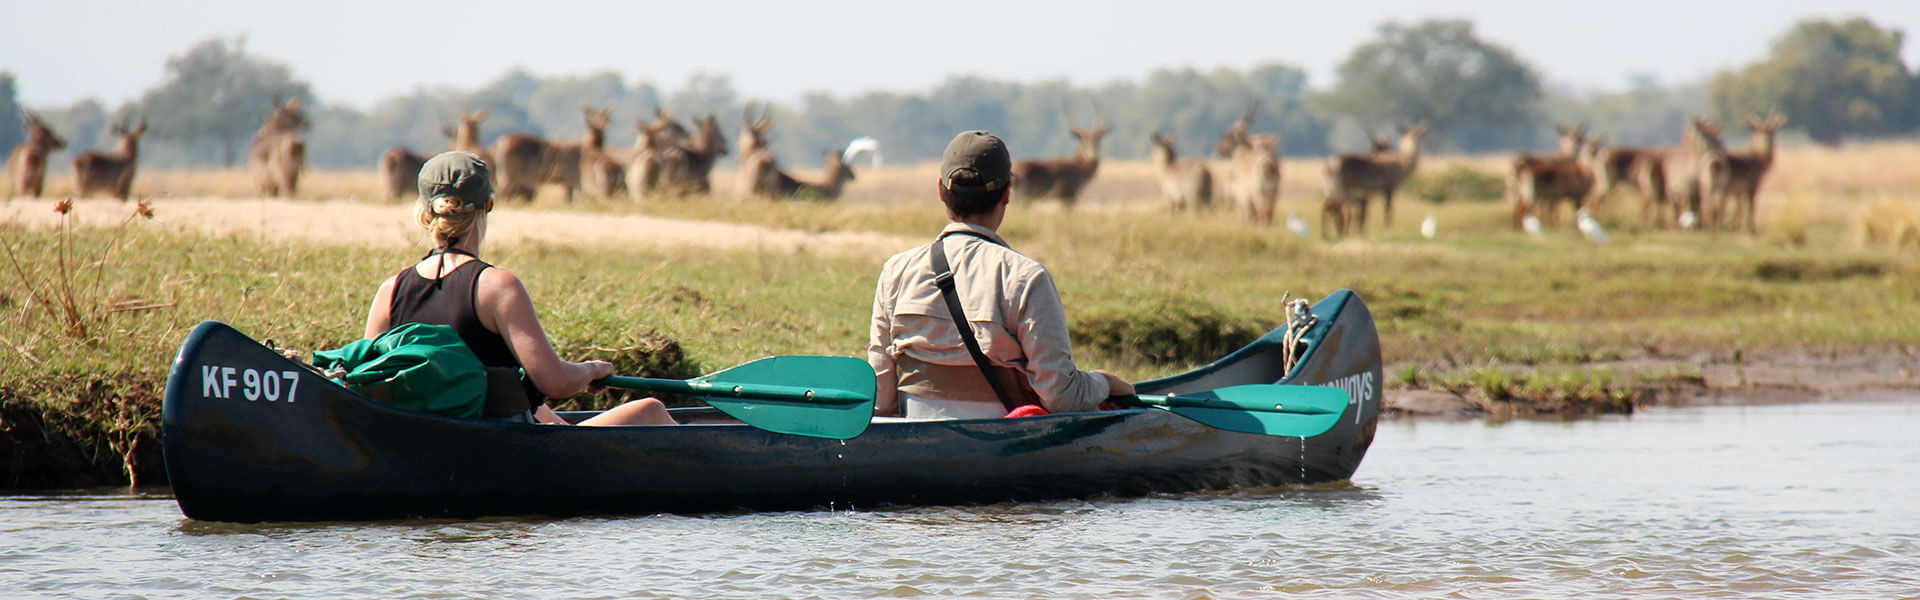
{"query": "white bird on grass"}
[(1429, 227), (1531, 225), (1688, 220), (1296, 225), (1590, 227), (862, 144)]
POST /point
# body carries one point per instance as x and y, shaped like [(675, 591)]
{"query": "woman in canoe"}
[(486, 305)]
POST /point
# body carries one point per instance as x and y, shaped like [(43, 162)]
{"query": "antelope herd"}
[(1696, 182)]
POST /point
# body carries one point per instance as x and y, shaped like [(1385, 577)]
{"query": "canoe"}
[(250, 436)]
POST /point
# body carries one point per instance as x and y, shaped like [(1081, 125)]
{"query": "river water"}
[(1800, 500)]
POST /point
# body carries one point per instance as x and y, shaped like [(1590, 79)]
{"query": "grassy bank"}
[(90, 316)]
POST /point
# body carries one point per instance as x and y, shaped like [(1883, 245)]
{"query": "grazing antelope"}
[(27, 163), (1063, 177), (1538, 189), (1352, 178), (757, 167), (1695, 171), (827, 188), (659, 157), (279, 152), (1572, 140), (1183, 182), (111, 172), (524, 162), (400, 170), (601, 175), (1744, 172)]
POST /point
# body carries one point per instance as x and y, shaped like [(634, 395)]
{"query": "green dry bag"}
[(415, 366)]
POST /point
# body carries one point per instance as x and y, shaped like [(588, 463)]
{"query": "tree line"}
[(1836, 79)]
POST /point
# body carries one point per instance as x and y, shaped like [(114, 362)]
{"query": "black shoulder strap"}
[(943, 277)]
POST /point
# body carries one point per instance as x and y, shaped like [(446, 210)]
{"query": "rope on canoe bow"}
[(1300, 320)]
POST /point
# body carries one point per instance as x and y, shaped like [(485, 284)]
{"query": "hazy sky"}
[(360, 52)]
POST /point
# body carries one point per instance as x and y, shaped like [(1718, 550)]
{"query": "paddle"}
[(816, 396), (1265, 409)]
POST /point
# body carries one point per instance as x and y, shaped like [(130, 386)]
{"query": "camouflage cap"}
[(459, 175), (980, 155)]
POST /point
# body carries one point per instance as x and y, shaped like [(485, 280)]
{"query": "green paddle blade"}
[(1286, 410), (839, 408)]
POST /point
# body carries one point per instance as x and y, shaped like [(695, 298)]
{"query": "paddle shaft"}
[(723, 389)]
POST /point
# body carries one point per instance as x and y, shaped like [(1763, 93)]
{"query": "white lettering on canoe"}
[(1359, 389), (218, 382)]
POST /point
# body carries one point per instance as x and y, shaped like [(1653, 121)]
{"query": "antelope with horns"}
[(601, 175), (524, 162), (1183, 182), (1352, 178), (1062, 177), (757, 167), (1248, 168), (466, 137), (705, 148), (279, 152), (27, 163), (659, 157), (1744, 172), (1529, 166), (1538, 189), (826, 188), (110, 172)]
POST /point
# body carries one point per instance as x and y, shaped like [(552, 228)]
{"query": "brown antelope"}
[(1530, 166), (524, 162), (111, 172), (1640, 168), (467, 137), (1538, 189), (705, 148), (757, 165), (601, 175), (1352, 178), (1183, 182), (400, 170), (1256, 185), (1695, 172), (1062, 177), (279, 152), (828, 187), (27, 163), (659, 157), (1744, 172)]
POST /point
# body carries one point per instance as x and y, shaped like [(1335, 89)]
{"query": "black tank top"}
[(452, 300)]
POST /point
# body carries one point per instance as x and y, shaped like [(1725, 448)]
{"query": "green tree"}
[(12, 126), (218, 93), (1831, 78), (1475, 95)]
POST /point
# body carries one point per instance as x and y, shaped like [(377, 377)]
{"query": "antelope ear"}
[(479, 116)]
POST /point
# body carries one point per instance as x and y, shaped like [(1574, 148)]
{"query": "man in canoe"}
[(1015, 354), (486, 305)]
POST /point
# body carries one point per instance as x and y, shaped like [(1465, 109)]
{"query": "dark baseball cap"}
[(456, 174), (982, 154)]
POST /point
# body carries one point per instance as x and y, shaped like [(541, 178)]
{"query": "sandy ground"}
[(392, 226)]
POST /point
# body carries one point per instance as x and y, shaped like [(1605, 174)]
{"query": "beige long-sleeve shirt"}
[(1015, 312)]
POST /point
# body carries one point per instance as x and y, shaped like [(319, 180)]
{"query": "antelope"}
[(1184, 183), (659, 157), (827, 188), (525, 161), (1529, 167), (279, 152), (705, 148), (400, 169), (1352, 178), (1256, 184), (757, 168), (1746, 169), (1540, 187), (1062, 177), (27, 163), (111, 173), (467, 137), (600, 174), (1695, 171), (1639, 168)]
